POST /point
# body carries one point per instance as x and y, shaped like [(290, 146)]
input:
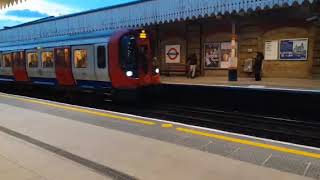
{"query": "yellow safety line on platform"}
[(250, 143), (184, 130), (167, 125), (82, 110)]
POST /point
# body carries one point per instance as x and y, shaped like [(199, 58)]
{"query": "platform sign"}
[(294, 49), (173, 53), (271, 50)]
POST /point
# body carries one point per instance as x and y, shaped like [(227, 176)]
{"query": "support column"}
[(193, 38), (233, 69), (234, 58)]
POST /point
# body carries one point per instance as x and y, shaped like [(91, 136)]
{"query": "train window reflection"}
[(7, 60), (80, 58), (47, 59), (32, 60), (101, 57)]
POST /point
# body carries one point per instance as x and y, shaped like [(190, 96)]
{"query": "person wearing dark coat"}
[(258, 66), (192, 62)]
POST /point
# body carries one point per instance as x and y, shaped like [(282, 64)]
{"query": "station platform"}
[(266, 83), (50, 140)]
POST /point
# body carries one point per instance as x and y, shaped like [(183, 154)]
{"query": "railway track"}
[(295, 131), (283, 129)]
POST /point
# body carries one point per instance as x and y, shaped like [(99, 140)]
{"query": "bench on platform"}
[(174, 69)]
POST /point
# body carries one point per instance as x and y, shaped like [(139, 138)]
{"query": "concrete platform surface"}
[(273, 83), (23, 161), (123, 154)]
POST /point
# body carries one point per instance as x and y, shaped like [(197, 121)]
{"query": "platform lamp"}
[(233, 68)]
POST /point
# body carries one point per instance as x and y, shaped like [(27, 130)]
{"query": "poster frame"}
[(204, 55), (292, 39), (220, 55)]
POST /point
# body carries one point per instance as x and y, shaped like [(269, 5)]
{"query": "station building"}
[(286, 33), (224, 35)]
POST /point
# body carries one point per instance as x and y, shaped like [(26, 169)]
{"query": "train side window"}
[(47, 59), (32, 60), (7, 60), (101, 52), (80, 58), (0, 60)]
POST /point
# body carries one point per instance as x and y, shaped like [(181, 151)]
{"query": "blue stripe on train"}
[(80, 83), (53, 82), (6, 79), (44, 81), (93, 84)]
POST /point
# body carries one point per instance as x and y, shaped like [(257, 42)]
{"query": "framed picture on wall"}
[(293, 49), (212, 54), (225, 55)]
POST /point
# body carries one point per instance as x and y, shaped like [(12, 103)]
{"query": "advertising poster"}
[(271, 50), (225, 55), (173, 54), (294, 49), (212, 54)]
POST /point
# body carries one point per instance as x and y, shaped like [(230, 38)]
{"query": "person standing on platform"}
[(258, 66), (192, 62)]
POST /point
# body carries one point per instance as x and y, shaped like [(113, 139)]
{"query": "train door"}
[(101, 62), (63, 66), (19, 67), (6, 73), (83, 63), (32, 66)]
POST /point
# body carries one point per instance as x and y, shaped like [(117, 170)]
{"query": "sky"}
[(36, 9)]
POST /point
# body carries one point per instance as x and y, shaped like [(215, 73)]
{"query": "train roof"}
[(67, 40)]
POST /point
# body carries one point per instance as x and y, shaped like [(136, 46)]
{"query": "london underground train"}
[(111, 62)]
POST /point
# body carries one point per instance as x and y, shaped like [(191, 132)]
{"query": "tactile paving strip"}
[(251, 155), (287, 163), (313, 170)]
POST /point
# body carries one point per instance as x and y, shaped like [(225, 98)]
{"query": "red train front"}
[(131, 65)]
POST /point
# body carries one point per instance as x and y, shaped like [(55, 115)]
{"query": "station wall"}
[(252, 32)]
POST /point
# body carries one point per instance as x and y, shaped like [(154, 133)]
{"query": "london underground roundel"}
[(173, 54)]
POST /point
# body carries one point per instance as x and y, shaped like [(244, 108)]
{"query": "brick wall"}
[(252, 33), (172, 34)]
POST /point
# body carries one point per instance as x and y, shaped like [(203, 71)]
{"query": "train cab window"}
[(47, 59), (101, 52), (80, 58), (7, 60), (32, 60), (128, 55)]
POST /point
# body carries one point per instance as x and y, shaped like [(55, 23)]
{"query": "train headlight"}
[(157, 70), (129, 73)]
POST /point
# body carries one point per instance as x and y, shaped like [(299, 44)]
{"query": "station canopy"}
[(138, 13), (6, 3)]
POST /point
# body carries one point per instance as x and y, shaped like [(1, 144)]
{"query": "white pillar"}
[(234, 58)]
